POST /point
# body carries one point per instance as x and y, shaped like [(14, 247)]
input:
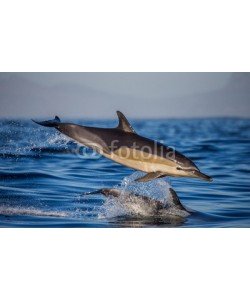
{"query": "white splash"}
[(30, 211), (124, 206), (156, 189)]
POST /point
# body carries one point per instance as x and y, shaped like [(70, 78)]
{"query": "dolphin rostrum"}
[(132, 201), (123, 145)]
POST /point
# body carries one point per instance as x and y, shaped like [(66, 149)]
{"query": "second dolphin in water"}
[(123, 145), (136, 204)]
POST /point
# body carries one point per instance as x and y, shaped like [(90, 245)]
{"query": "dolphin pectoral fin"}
[(124, 123), (149, 176)]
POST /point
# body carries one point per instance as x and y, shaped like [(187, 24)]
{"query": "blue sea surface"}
[(44, 175)]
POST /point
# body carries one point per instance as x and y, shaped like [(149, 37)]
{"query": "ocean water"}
[(44, 176)]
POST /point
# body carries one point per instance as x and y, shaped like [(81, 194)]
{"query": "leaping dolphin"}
[(124, 146)]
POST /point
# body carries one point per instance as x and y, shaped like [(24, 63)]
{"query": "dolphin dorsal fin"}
[(124, 123)]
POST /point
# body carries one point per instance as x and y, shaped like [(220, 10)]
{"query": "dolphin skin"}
[(124, 146), (133, 201)]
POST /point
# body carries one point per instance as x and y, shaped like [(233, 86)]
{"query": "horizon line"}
[(132, 118)]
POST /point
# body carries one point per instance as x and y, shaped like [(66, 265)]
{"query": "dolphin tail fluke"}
[(50, 123)]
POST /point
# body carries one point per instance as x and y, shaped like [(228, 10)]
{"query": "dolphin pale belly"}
[(143, 205), (124, 146)]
